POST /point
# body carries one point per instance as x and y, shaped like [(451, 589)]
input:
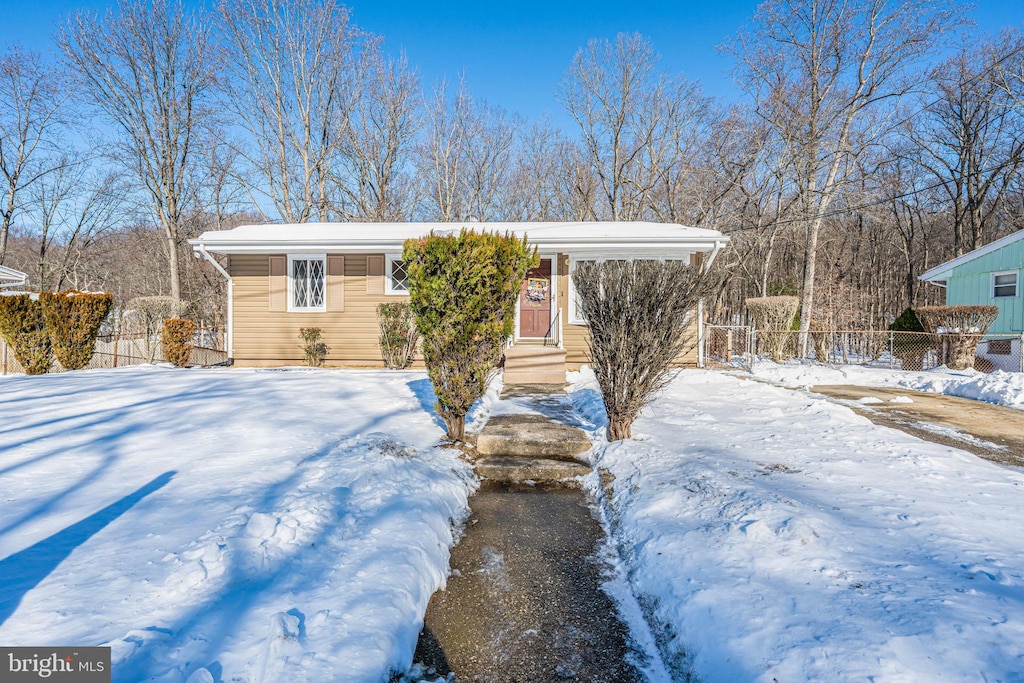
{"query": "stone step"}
[(530, 436), (519, 470)]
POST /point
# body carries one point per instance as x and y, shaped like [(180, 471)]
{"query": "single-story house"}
[(12, 278), (333, 275), (989, 276)]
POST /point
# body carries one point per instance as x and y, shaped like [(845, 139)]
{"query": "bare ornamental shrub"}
[(23, 326), (177, 341), (73, 320), (639, 316), (398, 334), (314, 349), (961, 328), (144, 318), (773, 316)]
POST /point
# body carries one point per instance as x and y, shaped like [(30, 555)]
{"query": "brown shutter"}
[(278, 284), (336, 283), (374, 274)]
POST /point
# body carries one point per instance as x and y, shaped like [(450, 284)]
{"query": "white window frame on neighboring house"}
[(993, 285), (293, 307), (389, 277)]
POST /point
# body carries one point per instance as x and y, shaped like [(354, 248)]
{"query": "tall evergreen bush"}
[(463, 290), (73, 321), (23, 326), (177, 341)]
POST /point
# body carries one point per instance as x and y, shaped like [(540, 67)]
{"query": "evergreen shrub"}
[(23, 326), (463, 290), (73, 320), (177, 341)]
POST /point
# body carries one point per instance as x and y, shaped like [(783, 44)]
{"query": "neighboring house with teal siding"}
[(989, 276)]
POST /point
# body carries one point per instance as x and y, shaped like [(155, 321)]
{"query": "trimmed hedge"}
[(23, 326), (177, 341), (73, 320)]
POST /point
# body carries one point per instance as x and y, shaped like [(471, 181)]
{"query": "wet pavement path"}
[(989, 431), (524, 602)]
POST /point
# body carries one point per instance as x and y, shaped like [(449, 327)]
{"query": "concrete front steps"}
[(530, 447), (530, 364)]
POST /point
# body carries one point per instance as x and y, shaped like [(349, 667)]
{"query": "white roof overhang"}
[(608, 240)]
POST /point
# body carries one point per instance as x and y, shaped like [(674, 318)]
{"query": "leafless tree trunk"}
[(31, 101), (148, 67)]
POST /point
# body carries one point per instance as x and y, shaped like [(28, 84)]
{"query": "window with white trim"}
[(307, 283), (576, 316), (1004, 284), (396, 276)]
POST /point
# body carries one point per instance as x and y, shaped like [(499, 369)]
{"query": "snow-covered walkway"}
[(782, 537), (234, 525)]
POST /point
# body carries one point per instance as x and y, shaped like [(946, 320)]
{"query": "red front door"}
[(535, 301)]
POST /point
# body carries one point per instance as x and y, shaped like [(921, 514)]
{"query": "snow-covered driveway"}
[(783, 537), (234, 525)]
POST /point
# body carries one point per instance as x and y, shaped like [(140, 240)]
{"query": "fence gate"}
[(728, 346)]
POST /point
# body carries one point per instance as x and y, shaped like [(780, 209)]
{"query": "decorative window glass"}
[(307, 283), (1004, 284), (397, 276)]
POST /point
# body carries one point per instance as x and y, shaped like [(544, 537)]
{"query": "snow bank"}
[(238, 525), (1003, 388), (782, 537)]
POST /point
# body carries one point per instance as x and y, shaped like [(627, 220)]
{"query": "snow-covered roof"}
[(12, 278), (940, 272), (600, 237)]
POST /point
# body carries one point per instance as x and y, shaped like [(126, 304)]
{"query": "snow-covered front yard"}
[(780, 537), (246, 525), (225, 525)]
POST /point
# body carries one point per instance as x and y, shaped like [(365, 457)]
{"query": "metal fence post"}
[(1020, 353), (3, 353), (892, 362), (752, 347)]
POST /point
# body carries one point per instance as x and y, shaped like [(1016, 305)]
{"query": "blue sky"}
[(514, 53)]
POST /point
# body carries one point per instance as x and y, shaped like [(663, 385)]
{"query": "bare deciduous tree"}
[(379, 139), (466, 157), (294, 82), (972, 137), (73, 207), (623, 107), (147, 66), (814, 69), (31, 99)]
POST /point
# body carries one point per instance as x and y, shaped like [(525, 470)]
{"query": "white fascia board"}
[(940, 272), (577, 246)]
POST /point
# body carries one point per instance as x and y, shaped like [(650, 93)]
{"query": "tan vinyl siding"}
[(575, 337), (268, 338)]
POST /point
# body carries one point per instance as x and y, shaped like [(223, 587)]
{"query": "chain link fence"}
[(738, 346), (120, 350)]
